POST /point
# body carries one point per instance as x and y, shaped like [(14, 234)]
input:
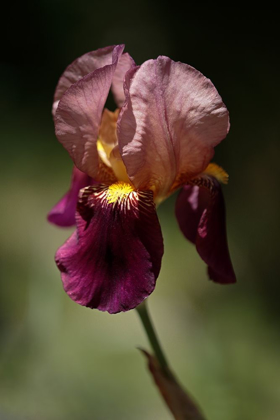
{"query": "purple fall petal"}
[(172, 119), (63, 213), (79, 112), (201, 216), (112, 260)]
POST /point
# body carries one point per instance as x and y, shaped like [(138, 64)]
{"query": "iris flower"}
[(161, 137)]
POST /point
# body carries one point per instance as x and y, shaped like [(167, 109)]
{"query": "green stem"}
[(143, 312)]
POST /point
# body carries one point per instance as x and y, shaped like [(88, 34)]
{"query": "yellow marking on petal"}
[(108, 127), (104, 151), (217, 172), (118, 165), (118, 192)]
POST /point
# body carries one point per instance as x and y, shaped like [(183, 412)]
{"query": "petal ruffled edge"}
[(125, 63), (200, 212), (112, 261)]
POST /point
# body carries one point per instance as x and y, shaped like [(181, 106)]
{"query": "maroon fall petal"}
[(112, 261), (63, 213), (201, 216)]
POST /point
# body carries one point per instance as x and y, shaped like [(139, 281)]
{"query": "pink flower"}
[(161, 137)]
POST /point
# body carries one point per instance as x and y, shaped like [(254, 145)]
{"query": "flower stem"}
[(177, 399), (143, 312)]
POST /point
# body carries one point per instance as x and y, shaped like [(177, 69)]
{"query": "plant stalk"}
[(143, 312)]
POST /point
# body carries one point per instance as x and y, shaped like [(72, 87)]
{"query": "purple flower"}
[(161, 137)]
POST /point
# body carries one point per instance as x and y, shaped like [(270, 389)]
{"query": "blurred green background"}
[(62, 361)]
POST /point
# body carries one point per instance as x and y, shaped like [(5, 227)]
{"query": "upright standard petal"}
[(113, 259), (200, 211), (172, 119), (63, 213), (82, 66), (125, 63), (79, 112)]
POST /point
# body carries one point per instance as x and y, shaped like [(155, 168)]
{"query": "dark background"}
[(62, 361)]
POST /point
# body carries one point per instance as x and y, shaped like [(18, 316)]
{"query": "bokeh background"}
[(62, 361)]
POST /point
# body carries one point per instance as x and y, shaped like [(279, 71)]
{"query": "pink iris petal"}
[(112, 260), (125, 63), (172, 118), (63, 213), (82, 66), (78, 115), (201, 216)]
